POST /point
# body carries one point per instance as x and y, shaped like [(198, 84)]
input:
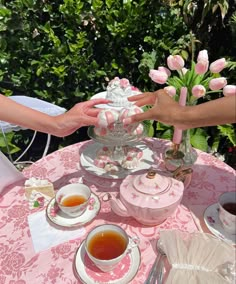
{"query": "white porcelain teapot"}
[(148, 196)]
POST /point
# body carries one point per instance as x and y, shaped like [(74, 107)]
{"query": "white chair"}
[(36, 104)]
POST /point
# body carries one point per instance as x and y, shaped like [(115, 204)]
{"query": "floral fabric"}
[(19, 264)]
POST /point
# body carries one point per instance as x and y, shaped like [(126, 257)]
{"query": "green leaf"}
[(6, 144), (199, 139), (36, 204), (167, 134), (228, 131), (28, 3), (114, 65), (184, 54), (215, 144), (150, 131), (39, 71)]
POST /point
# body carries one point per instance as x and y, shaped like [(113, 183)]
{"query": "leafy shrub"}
[(66, 51)]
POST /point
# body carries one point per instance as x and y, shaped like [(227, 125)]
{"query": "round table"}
[(19, 263)]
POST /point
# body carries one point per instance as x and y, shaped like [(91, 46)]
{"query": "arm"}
[(215, 112), (166, 110), (81, 114)]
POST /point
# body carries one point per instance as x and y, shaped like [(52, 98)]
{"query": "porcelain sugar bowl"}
[(148, 196)]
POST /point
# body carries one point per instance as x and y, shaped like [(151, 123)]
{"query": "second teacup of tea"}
[(227, 211), (73, 199), (106, 245)]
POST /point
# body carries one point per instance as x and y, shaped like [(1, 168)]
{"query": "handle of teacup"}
[(106, 197), (133, 243)]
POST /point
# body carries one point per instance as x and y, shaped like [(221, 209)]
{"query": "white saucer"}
[(214, 225), (88, 273), (102, 95), (89, 153), (55, 215)]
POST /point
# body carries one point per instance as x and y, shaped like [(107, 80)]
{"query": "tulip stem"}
[(212, 92)]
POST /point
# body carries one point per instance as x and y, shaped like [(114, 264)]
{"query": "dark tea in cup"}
[(227, 211), (230, 207), (107, 245), (73, 200)]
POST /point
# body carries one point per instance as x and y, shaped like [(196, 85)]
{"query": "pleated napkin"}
[(198, 258)]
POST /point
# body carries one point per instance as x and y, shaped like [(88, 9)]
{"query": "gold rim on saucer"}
[(57, 217), (212, 222), (80, 272)]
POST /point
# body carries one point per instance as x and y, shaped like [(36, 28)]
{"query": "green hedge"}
[(66, 51)]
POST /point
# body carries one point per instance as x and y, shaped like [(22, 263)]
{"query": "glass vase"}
[(181, 155), (189, 153)]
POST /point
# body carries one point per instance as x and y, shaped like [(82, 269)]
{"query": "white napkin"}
[(44, 236), (198, 258), (8, 173)]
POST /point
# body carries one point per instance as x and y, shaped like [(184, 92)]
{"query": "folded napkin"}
[(44, 236), (8, 173), (198, 258)]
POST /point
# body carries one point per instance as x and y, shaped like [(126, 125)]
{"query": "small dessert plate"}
[(211, 218), (123, 273), (55, 215)]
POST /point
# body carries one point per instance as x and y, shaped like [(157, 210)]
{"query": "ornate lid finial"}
[(151, 174)]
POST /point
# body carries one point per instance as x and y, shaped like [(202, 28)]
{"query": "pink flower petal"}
[(218, 65), (217, 83)]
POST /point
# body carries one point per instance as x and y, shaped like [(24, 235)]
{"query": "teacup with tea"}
[(73, 199), (106, 245), (227, 211)]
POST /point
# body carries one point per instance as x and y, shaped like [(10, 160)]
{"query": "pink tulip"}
[(198, 91), (171, 91), (201, 67), (218, 65), (164, 69), (229, 90), (202, 62), (184, 70), (217, 83), (175, 62), (158, 76), (202, 55)]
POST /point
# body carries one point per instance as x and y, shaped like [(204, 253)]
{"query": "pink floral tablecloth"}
[(19, 264)]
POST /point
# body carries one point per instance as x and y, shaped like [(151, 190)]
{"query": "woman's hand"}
[(82, 114), (164, 107), (168, 111)]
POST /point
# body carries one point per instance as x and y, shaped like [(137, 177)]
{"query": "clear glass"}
[(185, 154), (190, 154), (117, 139)]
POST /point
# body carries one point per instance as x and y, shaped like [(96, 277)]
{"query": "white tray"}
[(89, 154)]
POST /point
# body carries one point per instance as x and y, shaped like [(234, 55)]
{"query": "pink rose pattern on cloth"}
[(95, 273), (20, 265)]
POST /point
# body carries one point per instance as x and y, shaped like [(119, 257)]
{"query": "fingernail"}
[(127, 120)]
